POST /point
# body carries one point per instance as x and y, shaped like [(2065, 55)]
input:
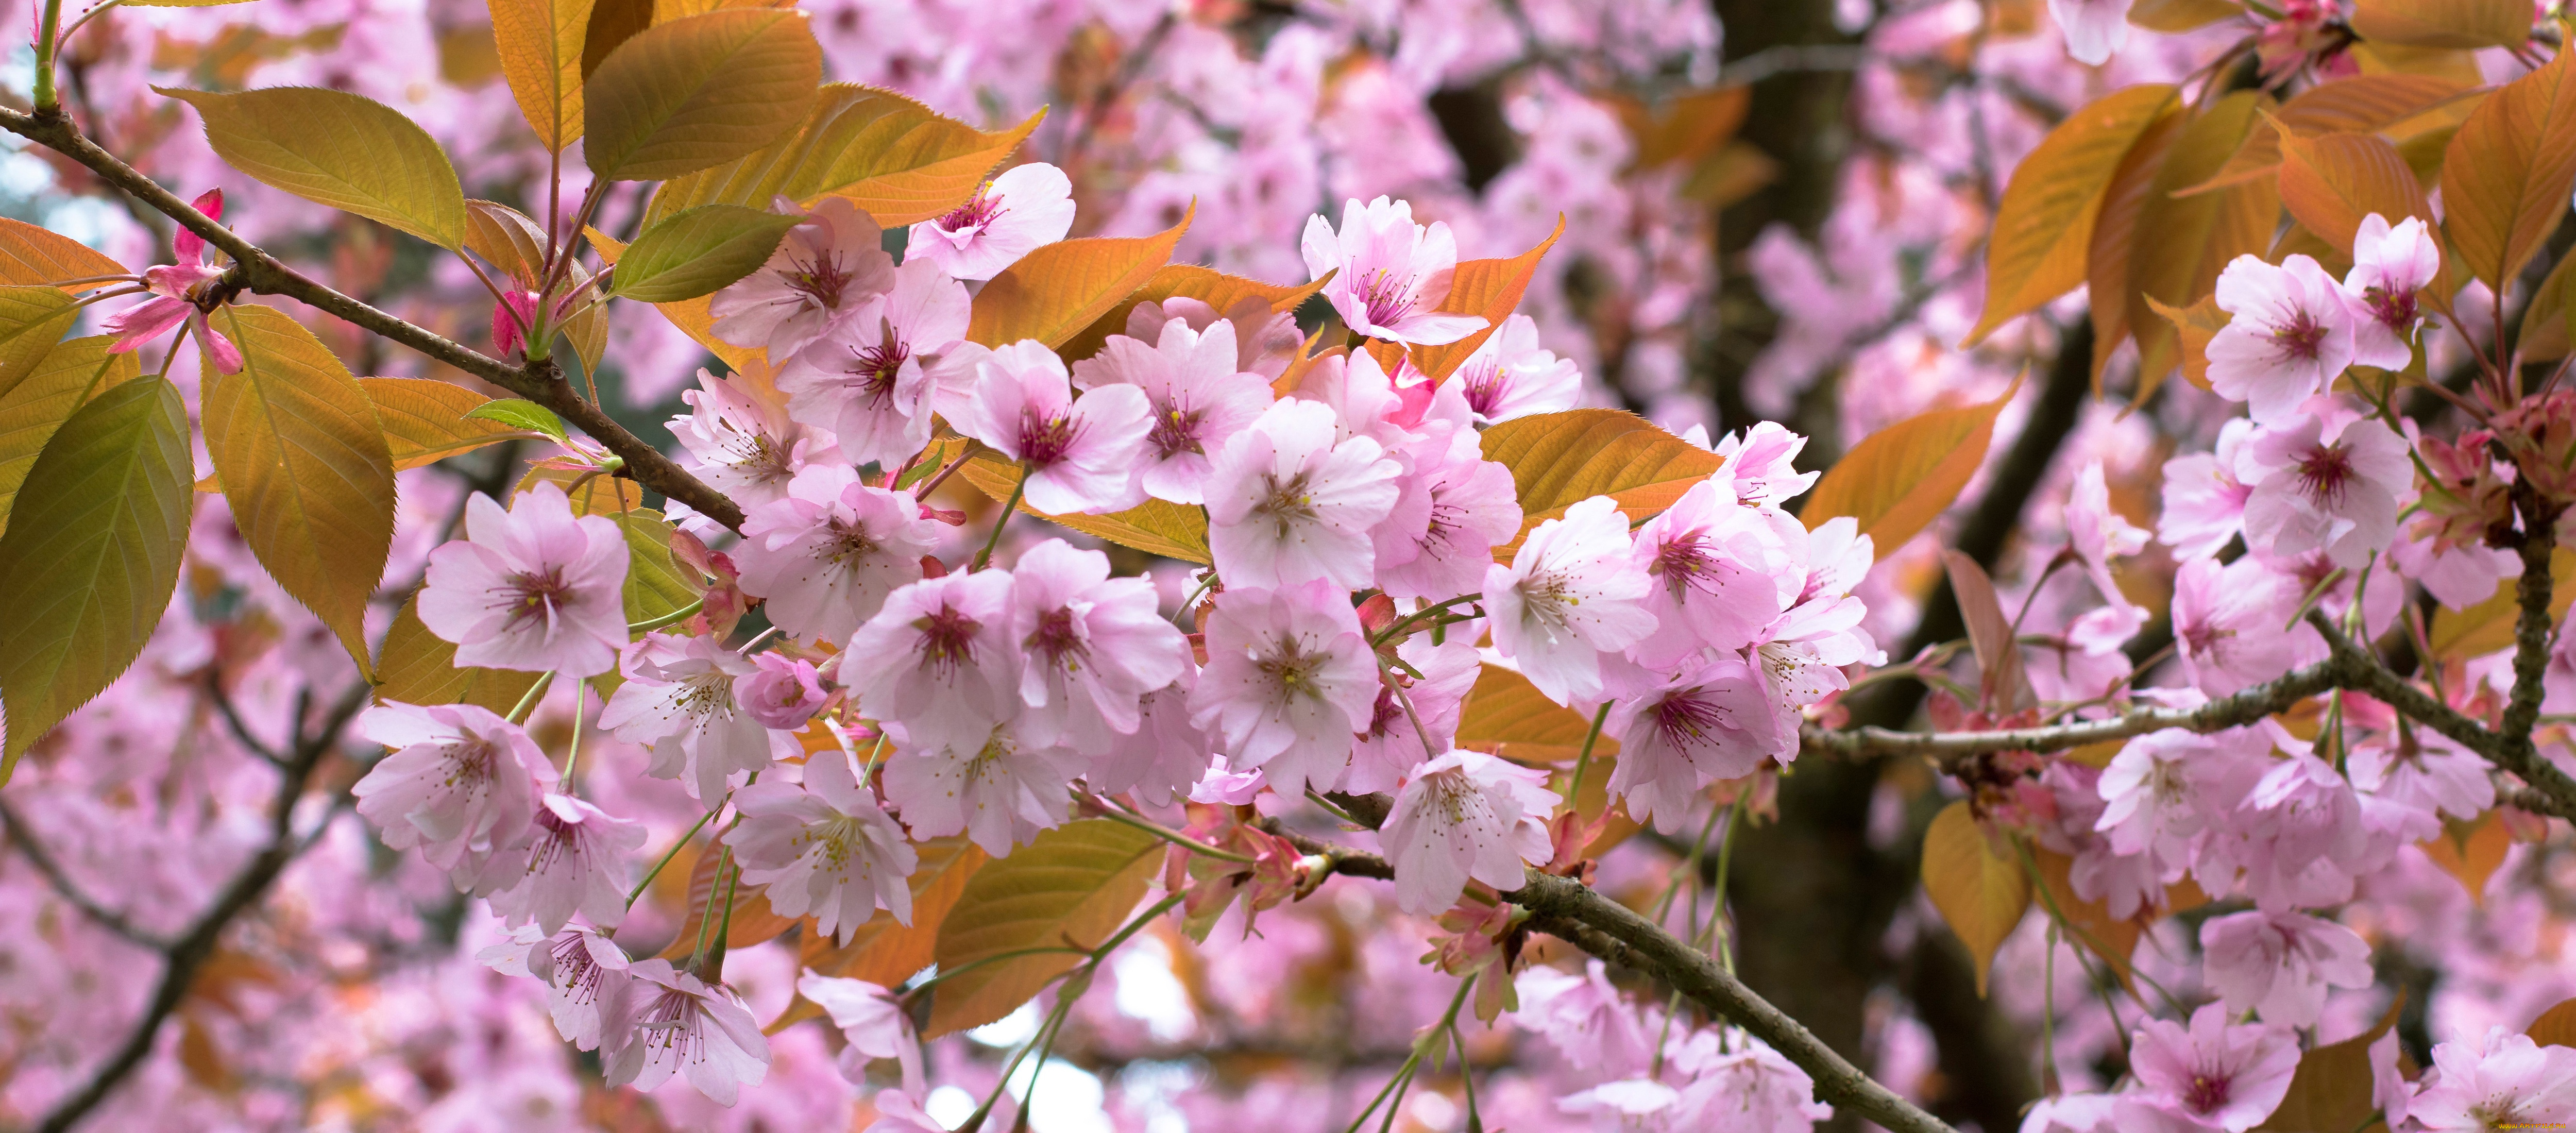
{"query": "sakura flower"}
[(1716, 568), (1625, 1105), (1080, 454), (2280, 963), (2298, 837), (2338, 495), (2096, 533), (2164, 789), (1393, 274), (2072, 1113), (462, 785), (175, 288), (2204, 502), (1585, 1018), (583, 970), (1751, 1088), (898, 1112), (1452, 508), (1389, 747), (1465, 816), (2289, 335), (2390, 266), (1197, 398), (1265, 341), (1571, 594), (1287, 505), (1289, 679), (995, 788), (1761, 465), (871, 1021), (530, 588), (1801, 656), (670, 1022), (2212, 1076), (865, 380), (1511, 375), (826, 556), (1167, 756), (2423, 770), (826, 268), (824, 847), (939, 659), (1090, 647), (2095, 29), (575, 864), (2506, 1082), (2232, 625), (1027, 207), (1362, 394), (678, 698), (1711, 723), (745, 444), (783, 694)]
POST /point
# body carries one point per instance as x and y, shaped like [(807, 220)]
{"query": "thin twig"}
[(70, 890)]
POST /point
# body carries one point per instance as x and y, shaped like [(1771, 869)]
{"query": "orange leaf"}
[(2182, 243), (752, 921), (1507, 716), (1980, 893), (2332, 1090), (33, 257), (1070, 888), (2455, 24), (2470, 851), (2556, 1026), (1690, 126), (1561, 459), (2197, 324), (1187, 281), (2360, 104), (1896, 481), (2506, 175), (882, 151), (2331, 182), (2045, 224), (2090, 922), (1488, 288), (2172, 16), (883, 952), (2115, 235), (1055, 292), (1155, 526)]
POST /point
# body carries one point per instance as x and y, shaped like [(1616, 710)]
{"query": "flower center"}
[(1060, 640), (1484, 386), (2303, 337), (1388, 297), (978, 211), (1289, 502), (848, 543), (1046, 440), (2324, 472), (820, 280), (2396, 311), (874, 369), (1686, 563), (2207, 1092), (1688, 719), (533, 597), (1293, 670), (1176, 431), (947, 640)]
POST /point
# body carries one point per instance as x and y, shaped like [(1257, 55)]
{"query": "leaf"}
[(1186, 281), (2544, 335), (882, 951), (2470, 850), (32, 320), (2332, 1090), (2115, 237), (750, 922), (1981, 895), (2331, 182), (2196, 324), (540, 44), (1561, 459), (92, 554), (1488, 288), (2457, 24), (2089, 923), (2506, 175), (1508, 716), (1071, 887), (338, 149), (513, 242), (2556, 1026), (2045, 223), (2360, 104), (696, 252), (520, 414), (691, 316), (2488, 626), (698, 92), (1155, 526), (2173, 16), (1896, 481), (879, 150), (418, 667), (31, 256), (2182, 243), (2006, 687), (1059, 289), (68, 377), (425, 420), (656, 584)]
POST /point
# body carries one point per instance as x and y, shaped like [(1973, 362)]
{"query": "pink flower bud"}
[(784, 694)]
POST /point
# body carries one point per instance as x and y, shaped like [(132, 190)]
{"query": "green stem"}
[(707, 918), (1182, 619), (1114, 813), (528, 702), (714, 970), (48, 36), (638, 892), (1583, 763), (1045, 1038), (1001, 521), (1395, 630), (1392, 1097), (572, 752), (998, 957), (675, 617)]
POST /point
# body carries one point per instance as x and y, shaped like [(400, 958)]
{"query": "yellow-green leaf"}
[(1057, 290), (540, 45), (338, 149), (69, 376), (425, 420), (2488, 626), (1508, 716), (418, 667), (32, 320), (2332, 1090), (1155, 526), (880, 150), (304, 466), (656, 584), (1561, 459), (31, 256), (2457, 24), (1071, 887), (2333, 181), (696, 93), (610, 25), (2195, 325), (2506, 175), (2172, 16), (2045, 224), (1488, 288), (1187, 281), (692, 317), (2108, 260), (92, 554), (1896, 481), (694, 253), (1982, 894)]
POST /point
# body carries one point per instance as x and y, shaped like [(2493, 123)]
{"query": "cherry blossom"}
[(1198, 400), (2391, 266), (866, 380), (1288, 505), (871, 1020), (1761, 465), (2095, 29), (2290, 334), (1452, 508), (1465, 816), (1511, 376), (2337, 494), (576, 863), (824, 271), (668, 1022), (2505, 1081), (583, 971), (823, 847), (1585, 1018), (826, 556), (1090, 647), (1391, 274), (783, 694), (939, 660), (2233, 625), (531, 588), (1570, 595), (1289, 680), (1388, 746), (997, 789), (1079, 454), (175, 288), (1701, 726), (462, 786), (679, 699), (2204, 502), (2213, 1075), (2298, 837), (1027, 207), (1717, 570), (742, 441), (1168, 755), (2280, 963), (1750, 1088), (2165, 788)]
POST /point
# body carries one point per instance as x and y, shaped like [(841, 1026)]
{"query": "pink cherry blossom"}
[(531, 588), (577, 863), (783, 694), (1465, 816), (1362, 395), (1750, 1087), (1585, 1018), (823, 847), (1028, 206), (2165, 789), (1571, 594), (1388, 747), (866, 380), (1265, 341), (871, 1020), (826, 556), (1081, 454), (2095, 29), (583, 970), (1288, 505), (678, 698), (997, 789), (1197, 399), (2338, 495), (1289, 679), (2281, 963), (1711, 723), (2214, 1075), (2298, 837), (2505, 1082), (1717, 569), (2391, 266), (1453, 507), (1167, 756), (1090, 647), (668, 1022), (939, 659), (2424, 770), (823, 272), (2097, 534), (1761, 465), (2289, 336), (175, 288), (2232, 625), (897, 1112), (1511, 375), (461, 786), (1393, 273), (2204, 502), (744, 444)]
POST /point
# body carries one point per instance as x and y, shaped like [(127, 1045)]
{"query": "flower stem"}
[(675, 617), (1115, 813), (48, 36), (528, 702), (1583, 763), (638, 892), (572, 750), (985, 556), (1395, 631)]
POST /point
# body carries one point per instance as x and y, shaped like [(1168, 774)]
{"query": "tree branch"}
[(45, 863), (256, 271), (1952, 749)]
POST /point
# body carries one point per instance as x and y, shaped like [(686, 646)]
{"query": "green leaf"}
[(1561, 459), (305, 467), (696, 252), (1981, 894), (1071, 887), (887, 154), (2044, 226), (338, 149), (425, 420), (699, 92), (1896, 481), (521, 414), (91, 555), (656, 585), (32, 256), (540, 45), (70, 375), (418, 667), (1051, 294), (32, 320)]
